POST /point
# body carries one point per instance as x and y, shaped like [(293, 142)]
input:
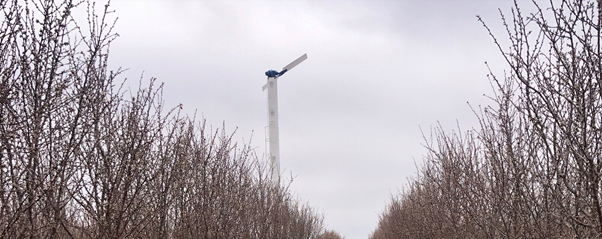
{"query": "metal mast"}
[(272, 87)]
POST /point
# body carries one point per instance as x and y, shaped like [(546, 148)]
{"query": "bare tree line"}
[(533, 169), (82, 158)]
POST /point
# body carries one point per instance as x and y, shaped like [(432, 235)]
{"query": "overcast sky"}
[(351, 114)]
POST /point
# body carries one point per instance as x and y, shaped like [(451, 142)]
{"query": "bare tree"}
[(532, 169), (82, 158)]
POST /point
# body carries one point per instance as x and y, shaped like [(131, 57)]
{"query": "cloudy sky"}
[(350, 115)]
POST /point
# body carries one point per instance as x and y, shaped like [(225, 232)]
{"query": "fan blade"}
[(295, 62)]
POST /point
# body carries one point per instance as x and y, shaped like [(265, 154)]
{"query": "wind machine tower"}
[(272, 87)]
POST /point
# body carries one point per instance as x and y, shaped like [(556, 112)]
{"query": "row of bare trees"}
[(534, 167), (82, 158)]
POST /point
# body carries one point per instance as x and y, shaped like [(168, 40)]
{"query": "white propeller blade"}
[(295, 62)]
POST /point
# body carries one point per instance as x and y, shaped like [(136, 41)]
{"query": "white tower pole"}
[(274, 138), (273, 128)]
